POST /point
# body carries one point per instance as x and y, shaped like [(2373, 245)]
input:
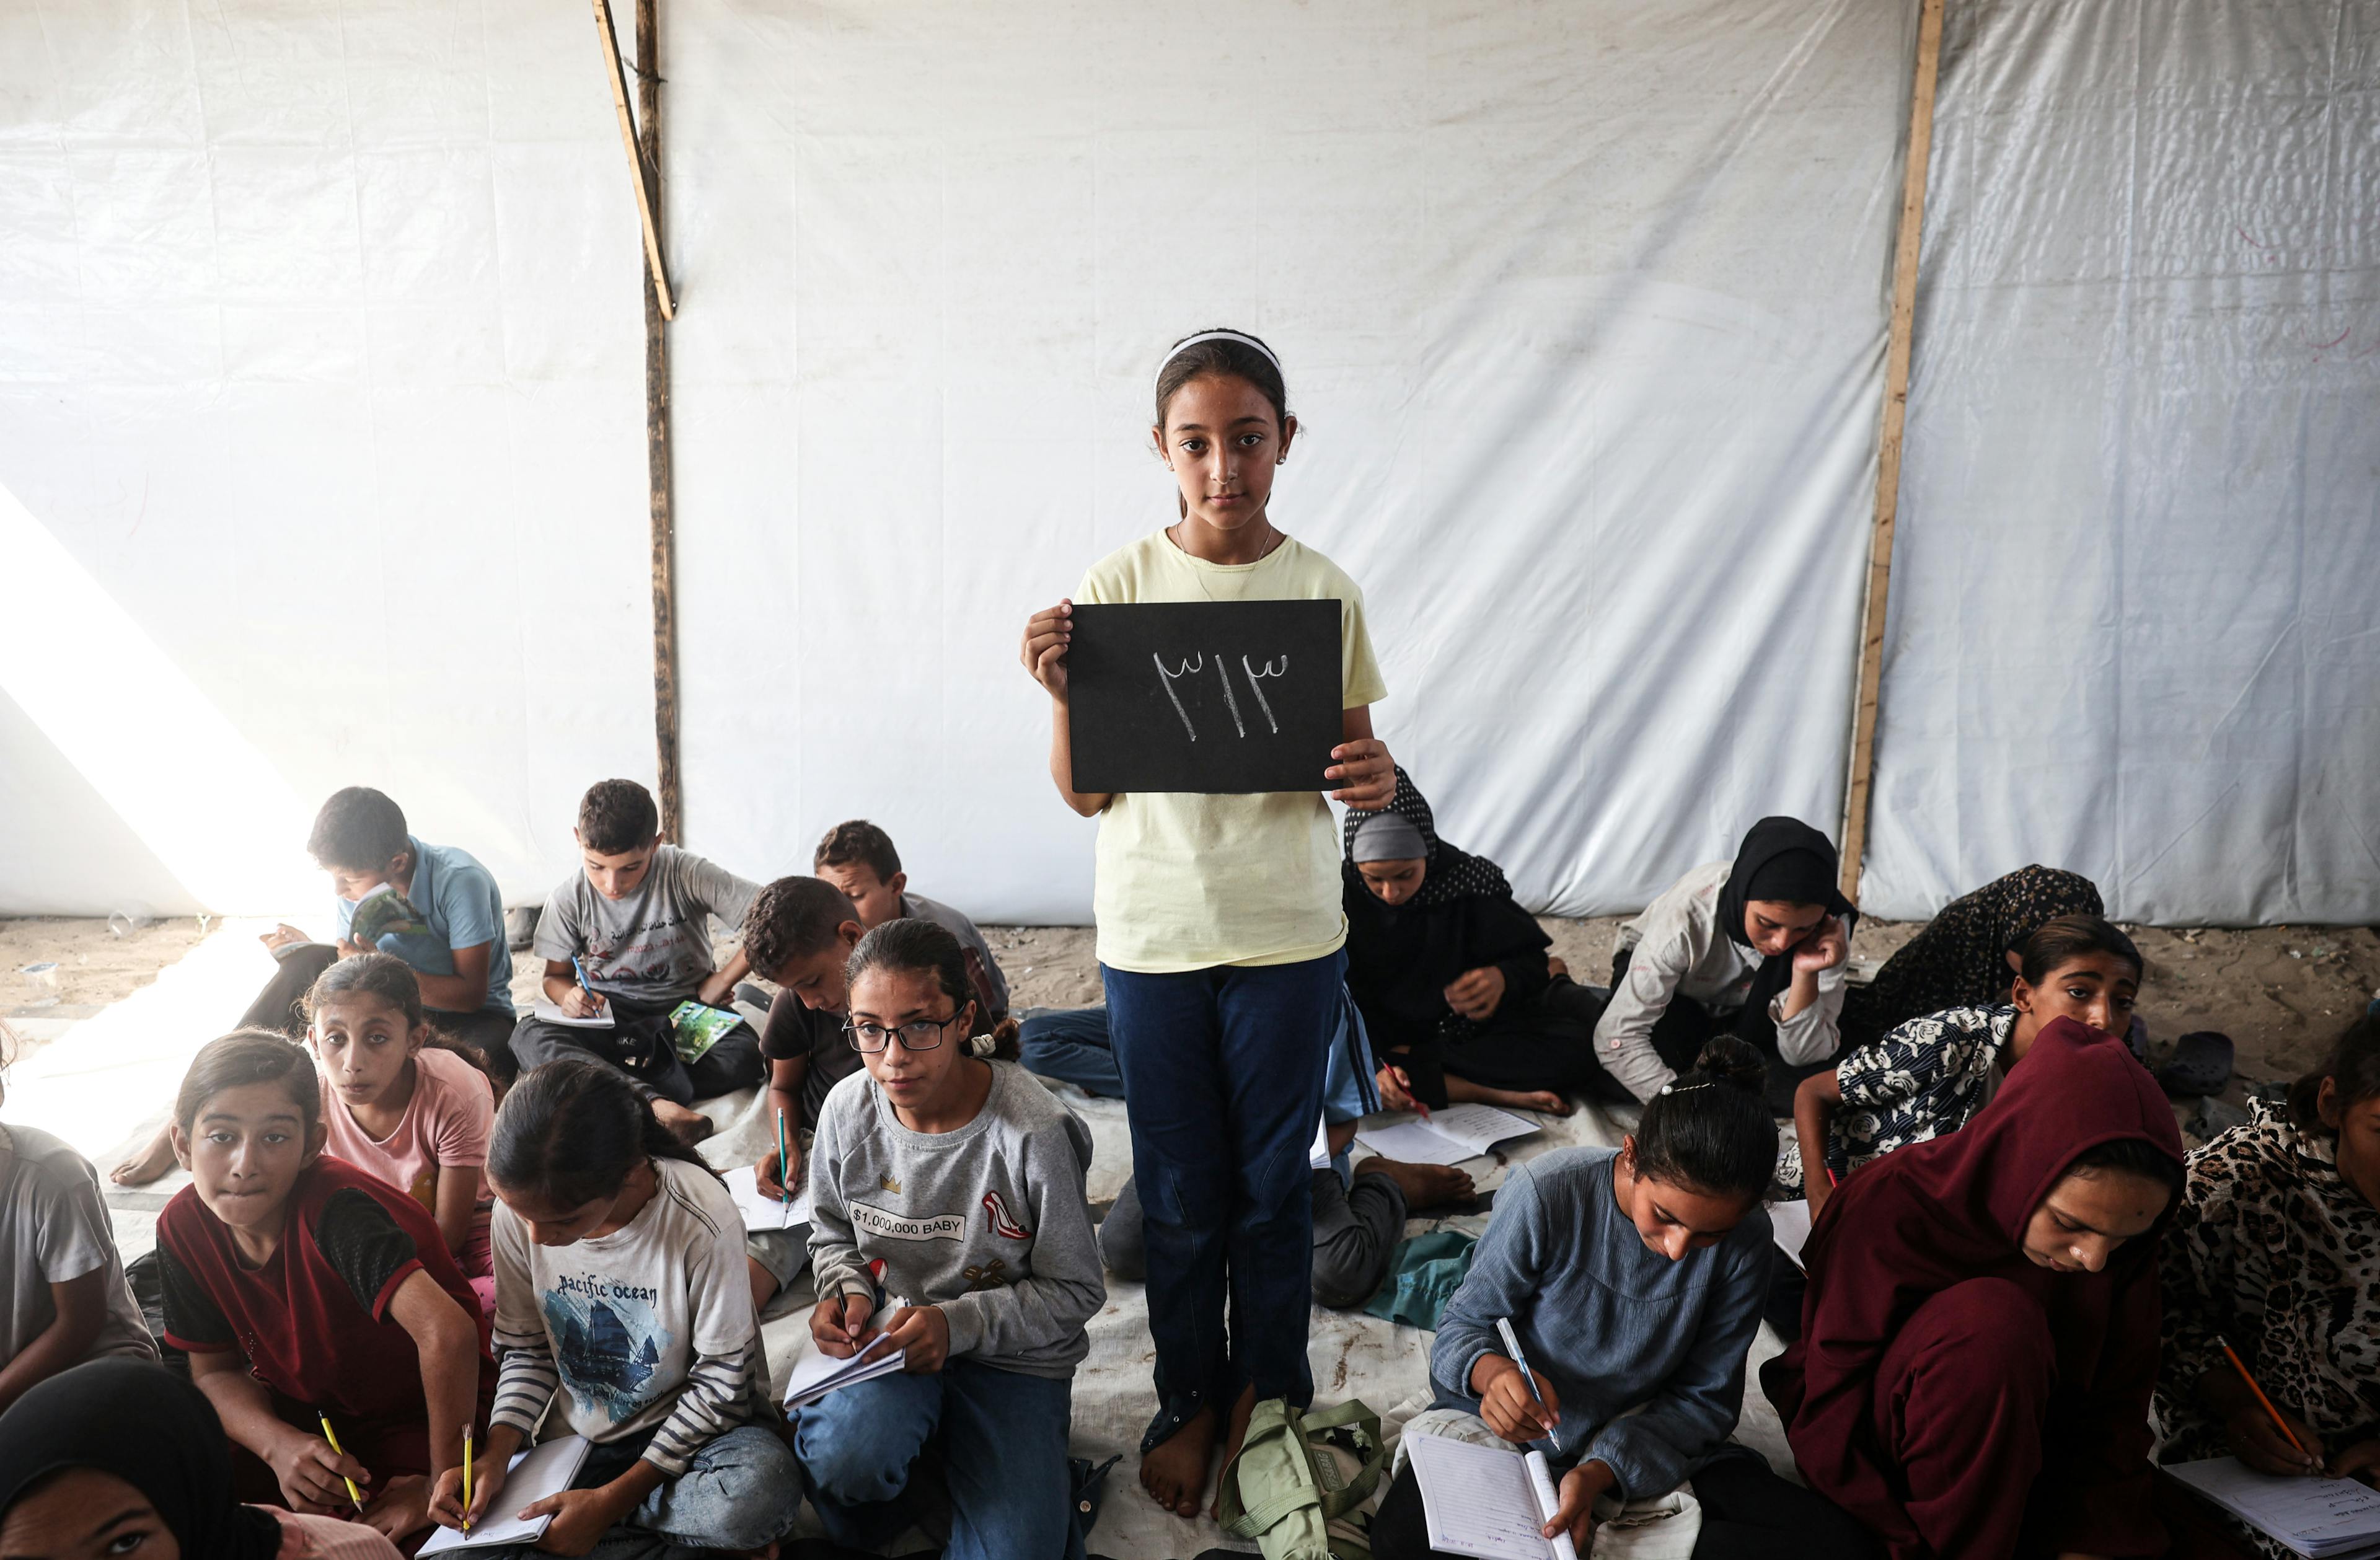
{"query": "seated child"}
[(458, 953), (943, 1135), (1632, 1280), (2274, 1250), (858, 858), (800, 933), (1452, 976), (1963, 957), (1930, 1075), (629, 936), (1756, 945), (305, 1289), (615, 1244), (124, 1458), (405, 1104), (1359, 1210), (63, 1293), (1980, 1336)]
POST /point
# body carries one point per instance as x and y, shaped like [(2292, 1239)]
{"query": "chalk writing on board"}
[(1196, 664)]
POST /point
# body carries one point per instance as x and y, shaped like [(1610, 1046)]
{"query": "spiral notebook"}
[(1487, 1502)]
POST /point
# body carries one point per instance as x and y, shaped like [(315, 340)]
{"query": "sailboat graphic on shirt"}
[(608, 1348)]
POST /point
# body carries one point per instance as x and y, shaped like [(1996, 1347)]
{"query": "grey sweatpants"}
[(1355, 1232)]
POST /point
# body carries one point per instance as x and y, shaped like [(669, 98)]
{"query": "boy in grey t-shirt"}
[(628, 938), (54, 1238)]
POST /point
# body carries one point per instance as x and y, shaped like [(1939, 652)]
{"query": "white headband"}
[(1244, 339)]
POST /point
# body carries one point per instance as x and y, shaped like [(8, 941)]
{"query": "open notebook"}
[(814, 1374), (765, 1212), (1449, 1137), (1487, 1502), (545, 1012), (544, 1469), (2321, 1519)]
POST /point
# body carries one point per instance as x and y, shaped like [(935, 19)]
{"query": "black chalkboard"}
[(1205, 696)]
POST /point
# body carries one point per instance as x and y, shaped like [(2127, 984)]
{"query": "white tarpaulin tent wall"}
[(321, 425)]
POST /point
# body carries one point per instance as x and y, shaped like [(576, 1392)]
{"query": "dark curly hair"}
[(920, 947), (794, 918), (857, 842), (617, 816)]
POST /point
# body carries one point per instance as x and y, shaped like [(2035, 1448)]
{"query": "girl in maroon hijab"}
[(1980, 1336)]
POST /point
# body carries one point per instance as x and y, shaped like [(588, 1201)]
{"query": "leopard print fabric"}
[(2272, 1249)]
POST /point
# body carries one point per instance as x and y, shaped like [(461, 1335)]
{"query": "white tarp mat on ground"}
[(320, 361), (2136, 613)]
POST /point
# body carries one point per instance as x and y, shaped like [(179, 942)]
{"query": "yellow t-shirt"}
[(1187, 880)]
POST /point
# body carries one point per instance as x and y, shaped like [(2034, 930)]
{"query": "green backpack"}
[(1298, 1479)]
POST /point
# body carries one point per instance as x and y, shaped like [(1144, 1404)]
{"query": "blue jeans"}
[(742, 1491), (1071, 1045), (1222, 1075), (1003, 1443)]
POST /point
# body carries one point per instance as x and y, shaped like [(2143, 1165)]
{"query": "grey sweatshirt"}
[(989, 1223)]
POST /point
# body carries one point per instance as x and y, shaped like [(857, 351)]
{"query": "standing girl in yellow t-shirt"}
[(1219, 932)]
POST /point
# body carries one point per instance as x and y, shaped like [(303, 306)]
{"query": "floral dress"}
[(2273, 1250), (1927, 1077)]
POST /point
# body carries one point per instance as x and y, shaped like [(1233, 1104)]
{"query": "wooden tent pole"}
[(1888, 461), (642, 164), (659, 310)]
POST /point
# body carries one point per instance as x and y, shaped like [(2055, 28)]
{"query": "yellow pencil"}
[(466, 1479), (333, 1437)]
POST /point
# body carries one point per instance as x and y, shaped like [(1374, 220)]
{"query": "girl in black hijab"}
[(1756, 945), (124, 1458), (1451, 975)]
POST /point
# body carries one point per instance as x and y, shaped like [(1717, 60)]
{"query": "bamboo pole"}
[(659, 310), (643, 164), (1888, 461)]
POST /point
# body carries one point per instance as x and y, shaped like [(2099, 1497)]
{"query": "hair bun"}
[(1725, 1059)]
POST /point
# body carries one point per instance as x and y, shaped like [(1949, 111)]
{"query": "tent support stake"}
[(1887, 462)]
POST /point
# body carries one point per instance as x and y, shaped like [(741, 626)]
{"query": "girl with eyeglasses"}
[(952, 1225)]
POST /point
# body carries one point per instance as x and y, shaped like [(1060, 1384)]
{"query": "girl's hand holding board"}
[(1047, 634), (1366, 774)]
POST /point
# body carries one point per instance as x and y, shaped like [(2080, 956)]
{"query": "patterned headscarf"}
[(1453, 874)]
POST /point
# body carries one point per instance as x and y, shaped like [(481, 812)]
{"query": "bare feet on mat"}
[(1424, 1186), (1174, 1472), (689, 1128), (148, 1164), (1241, 1411), (1461, 1090)]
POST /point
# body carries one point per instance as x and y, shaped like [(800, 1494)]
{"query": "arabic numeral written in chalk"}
[(1196, 664)]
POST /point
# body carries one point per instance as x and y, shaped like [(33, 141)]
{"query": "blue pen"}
[(583, 986), (1528, 1378)]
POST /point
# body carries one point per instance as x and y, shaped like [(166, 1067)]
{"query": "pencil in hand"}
[(333, 1437), (2278, 1422)]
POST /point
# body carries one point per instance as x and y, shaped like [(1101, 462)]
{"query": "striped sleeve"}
[(527, 1377), (716, 1398)]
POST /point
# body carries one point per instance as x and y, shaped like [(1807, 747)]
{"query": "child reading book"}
[(951, 1226), (314, 1299)]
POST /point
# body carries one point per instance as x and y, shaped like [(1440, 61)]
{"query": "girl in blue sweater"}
[(1633, 1281)]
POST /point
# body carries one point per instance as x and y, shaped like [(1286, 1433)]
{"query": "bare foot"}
[(148, 1164), (1425, 1185), (1543, 1100), (1241, 1411), (1174, 1472), (1461, 1090), (690, 1127)]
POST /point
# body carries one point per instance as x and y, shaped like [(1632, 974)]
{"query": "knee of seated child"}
[(857, 1460), (1346, 1272), (759, 1489), (1122, 1249)]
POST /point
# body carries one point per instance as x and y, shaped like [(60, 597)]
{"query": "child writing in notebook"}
[(952, 1225), (620, 1275), (1633, 1282), (306, 1291), (1219, 932), (63, 1298), (406, 1103), (857, 857)]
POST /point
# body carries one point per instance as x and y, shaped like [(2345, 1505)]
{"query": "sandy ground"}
[(2281, 993)]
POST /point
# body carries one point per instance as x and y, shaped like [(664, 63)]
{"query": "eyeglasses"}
[(918, 1035)]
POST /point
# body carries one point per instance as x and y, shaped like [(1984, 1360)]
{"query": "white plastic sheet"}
[(2134, 628)]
